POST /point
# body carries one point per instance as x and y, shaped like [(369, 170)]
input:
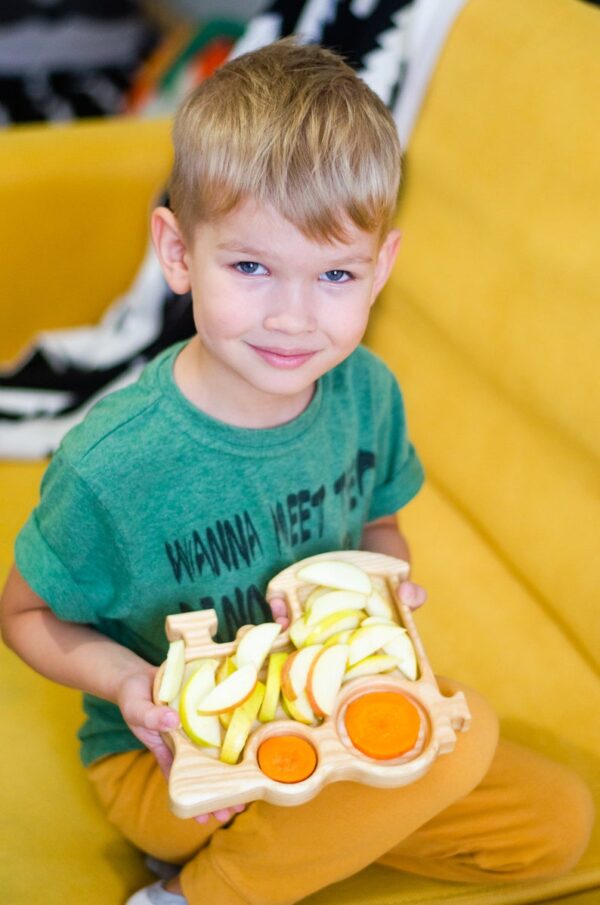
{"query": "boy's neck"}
[(213, 391)]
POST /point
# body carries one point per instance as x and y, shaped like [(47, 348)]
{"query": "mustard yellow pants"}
[(491, 811)]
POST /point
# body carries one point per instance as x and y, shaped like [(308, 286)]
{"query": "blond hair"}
[(292, 126)]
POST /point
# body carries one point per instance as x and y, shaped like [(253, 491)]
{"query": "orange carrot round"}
[(383, 724), (287, 758)]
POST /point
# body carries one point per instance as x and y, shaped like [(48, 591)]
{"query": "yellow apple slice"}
[(325, 678), (340, 637), (225, 669), (299, 631), (314, 595), (256, 644), (241, 724), (231, 692), (201, 729), (190, 668), (341, 576), (366, 641), (402, 649), (377, 605), (331, 625), (334, 602), (173, 672), (299, 710), (378, 620), (270, 702), (371, 666)]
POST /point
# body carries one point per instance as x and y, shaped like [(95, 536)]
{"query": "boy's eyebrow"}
[(263, 253)]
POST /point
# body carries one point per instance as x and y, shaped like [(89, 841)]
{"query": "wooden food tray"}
[(200, 783)]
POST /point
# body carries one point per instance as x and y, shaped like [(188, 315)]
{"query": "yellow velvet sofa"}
[(491, 322)]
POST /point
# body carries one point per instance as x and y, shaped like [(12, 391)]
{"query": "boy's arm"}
[(383, 536), (80, 657)]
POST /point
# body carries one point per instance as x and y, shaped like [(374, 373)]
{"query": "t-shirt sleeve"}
[(399, 474), (68, 551)]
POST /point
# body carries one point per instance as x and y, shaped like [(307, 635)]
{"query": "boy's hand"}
[(145, 718), (413, 595), (280, 612)]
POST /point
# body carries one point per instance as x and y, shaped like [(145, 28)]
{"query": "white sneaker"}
[(155, 894)]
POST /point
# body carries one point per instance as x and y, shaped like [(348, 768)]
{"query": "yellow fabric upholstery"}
[(490, 324)]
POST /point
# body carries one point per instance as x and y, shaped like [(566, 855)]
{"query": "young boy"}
[(270, 436)]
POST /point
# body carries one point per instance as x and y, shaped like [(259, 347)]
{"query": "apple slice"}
[(377, 605), (378, 620), (340, 637), (173, 672), (241, 724), (341, 576), (314, 595), (231, 692), (256, 644), (325, 678), (226, 668), (299, 710), (402, 649), (371, 666), (201, 729), (368, 640), (334, 602), (331, 625), (299, 631), (297, 669), (273, 687)]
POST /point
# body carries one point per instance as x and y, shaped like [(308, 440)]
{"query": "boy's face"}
[(274, 310)]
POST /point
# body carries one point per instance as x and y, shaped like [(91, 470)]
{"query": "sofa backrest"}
[(491, 319)]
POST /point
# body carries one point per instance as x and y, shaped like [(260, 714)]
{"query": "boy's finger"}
[(278, 606), (413, 595), (159, 718)]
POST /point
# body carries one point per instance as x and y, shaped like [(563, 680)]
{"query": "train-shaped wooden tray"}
[(201, 782)]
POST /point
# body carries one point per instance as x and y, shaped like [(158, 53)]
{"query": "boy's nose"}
[(291, 311)]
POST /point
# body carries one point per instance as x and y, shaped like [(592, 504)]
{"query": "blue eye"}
[(337, 276), (250, 268)]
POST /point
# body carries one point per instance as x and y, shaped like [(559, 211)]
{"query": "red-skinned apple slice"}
[(299, 709), (325, 678), (299, 669), (231, 692)]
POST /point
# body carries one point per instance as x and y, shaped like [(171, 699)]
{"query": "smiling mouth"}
[(284, 358)]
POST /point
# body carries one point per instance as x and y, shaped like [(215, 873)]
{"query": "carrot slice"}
[(383, 724), (287, 758)]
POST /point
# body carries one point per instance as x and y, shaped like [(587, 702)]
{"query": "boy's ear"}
[(171, 249), (385, 260)]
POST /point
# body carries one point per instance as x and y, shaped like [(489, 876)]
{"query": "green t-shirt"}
[(151, 507)]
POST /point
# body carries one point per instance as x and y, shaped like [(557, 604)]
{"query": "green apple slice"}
[(341, 576), (325, 678), (331, 625), (255, 645), (231, 692), (241, 724), (173, 672), (368, 640), (402, 649), (191, 667), (378, 620), (334, 602), (272, 687), (201, 729), (371, 666), (226, 668), (377, 605), (314, 595), (299, 710)]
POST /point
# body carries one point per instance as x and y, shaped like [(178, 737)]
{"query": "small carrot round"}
[(287, 758), (383, 724)]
